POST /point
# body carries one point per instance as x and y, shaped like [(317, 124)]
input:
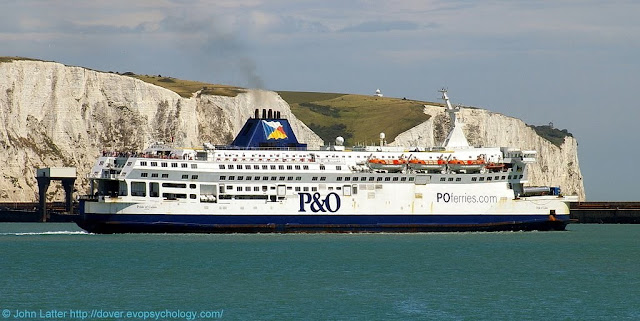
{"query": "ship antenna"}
[(456, 137)]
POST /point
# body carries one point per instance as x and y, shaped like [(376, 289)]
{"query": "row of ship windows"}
[(481, 179), (272, 167), (339, 178), (184, 176), (165, 164), (316, 178), (264, 188)]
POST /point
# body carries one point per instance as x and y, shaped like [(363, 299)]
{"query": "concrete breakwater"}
[(606, 212)]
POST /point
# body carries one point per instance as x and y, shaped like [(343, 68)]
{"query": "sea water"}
[(57, 271)]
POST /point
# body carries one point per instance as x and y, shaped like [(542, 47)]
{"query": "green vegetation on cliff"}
[(186, 88), (10, 59), (552, 134), (359, 119)]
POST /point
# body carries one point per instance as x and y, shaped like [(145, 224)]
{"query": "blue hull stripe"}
[(280, 223)]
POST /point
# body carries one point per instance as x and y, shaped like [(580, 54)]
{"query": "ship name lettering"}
[(316, 204)]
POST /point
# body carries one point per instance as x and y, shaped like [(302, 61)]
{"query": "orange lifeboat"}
[(427, 165), (390, 165)]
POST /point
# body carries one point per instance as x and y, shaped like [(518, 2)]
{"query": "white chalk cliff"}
[(555, 166), (52, 115)]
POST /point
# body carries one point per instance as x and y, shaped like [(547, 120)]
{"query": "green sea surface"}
[(590, 272)]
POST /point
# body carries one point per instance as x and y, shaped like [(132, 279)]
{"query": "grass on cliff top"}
[(186, 88), (359, 119), (10, 59), (552, 134)]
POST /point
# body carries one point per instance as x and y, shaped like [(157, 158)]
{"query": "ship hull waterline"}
[(152, 223)]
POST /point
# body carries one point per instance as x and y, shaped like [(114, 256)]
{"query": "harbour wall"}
[(606, 212)]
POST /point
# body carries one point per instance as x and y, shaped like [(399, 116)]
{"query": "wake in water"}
[(49, 233)]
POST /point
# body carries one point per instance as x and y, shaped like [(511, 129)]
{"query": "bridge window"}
[(221, 166), (154, 189), (138, 189), (163, 164), (458, 179), (185, 176), (222, 178), (183, 165), (165, 175), (174, 185), (154, 163), (144, 174), (174, 164), (154, 174)]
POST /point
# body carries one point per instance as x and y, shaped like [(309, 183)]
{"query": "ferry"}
[(266, 181)]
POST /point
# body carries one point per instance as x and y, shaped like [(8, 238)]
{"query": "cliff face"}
[(555, 166), (53, 115)]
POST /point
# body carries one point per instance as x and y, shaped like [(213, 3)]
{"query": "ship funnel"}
[(264, 113), (270, 114), (256, 113)]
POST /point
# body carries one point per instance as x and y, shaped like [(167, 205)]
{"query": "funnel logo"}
[(273, 130)]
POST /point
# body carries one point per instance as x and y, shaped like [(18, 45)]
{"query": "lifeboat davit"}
[(427, 165), (389, 165)]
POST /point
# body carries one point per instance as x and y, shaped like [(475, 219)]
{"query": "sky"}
[(573, 63)]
